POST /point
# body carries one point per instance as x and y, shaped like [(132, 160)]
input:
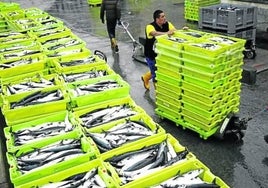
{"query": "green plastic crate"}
[(41, 73), (37, 62), (168, 79), (66, 53), (232, 43), (141, 117), (169, 72), (17, 114), (168, 101), (80, 111), (168, 60), (105, 171), (175, 41), (78, 100), (199, 121), (161, 48), (82, 60), (207, 92), (24, 24), (175, 170), (205, 84), (16, 47), (34, 81), (103, 69), (191, 35), (209, 100), (14, 38), (60, 116), (14, 14), (177, 147), (44, 34), (165, 112), (94, 2), (4, 6), (168, 89), (204, 64), (212, 105), (33, 11), (19, 178), (179, 121)]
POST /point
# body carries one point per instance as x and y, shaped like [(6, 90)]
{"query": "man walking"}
[(112, 10)]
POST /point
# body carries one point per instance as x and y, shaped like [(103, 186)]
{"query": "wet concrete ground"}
[(243, 164)]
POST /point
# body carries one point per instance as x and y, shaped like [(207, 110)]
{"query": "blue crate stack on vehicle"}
[(198, 79)]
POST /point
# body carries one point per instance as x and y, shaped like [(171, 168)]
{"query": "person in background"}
[(159, 26), (112, 11)]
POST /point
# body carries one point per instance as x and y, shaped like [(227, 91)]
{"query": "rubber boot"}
[(145, 78), (114, 45), (266, 138), (154, 85)]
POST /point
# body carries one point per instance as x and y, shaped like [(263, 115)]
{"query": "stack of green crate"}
[(8, 6), (94, 2), (20, 54), (24, 20), (198, 79), (191, 8), (3, 24)]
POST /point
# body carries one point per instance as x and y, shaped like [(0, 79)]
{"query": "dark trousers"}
[(111, 28)]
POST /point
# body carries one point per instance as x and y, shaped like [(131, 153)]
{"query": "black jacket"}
[(111, 8), (149, 43)]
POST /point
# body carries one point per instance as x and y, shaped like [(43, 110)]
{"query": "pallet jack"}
[(138, 46), (232, 127)]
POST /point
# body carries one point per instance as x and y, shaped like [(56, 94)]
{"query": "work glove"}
[(119, 22)]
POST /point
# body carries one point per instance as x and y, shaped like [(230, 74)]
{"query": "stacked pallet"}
[(70, 119), (191, 8), (198, 79)]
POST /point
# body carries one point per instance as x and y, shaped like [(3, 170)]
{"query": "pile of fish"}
[(189, 179), (87, 179), (13, 47), (176, 39), (72, 77), (28, 85), (135, 164), (41, 131), (20, 53), (88, 60), (15, 63), (95, 87), (53, 41), (38, 97), (49, 155), (222, 40), (105, 115), (65, 52), (120, 134), (208, 46)]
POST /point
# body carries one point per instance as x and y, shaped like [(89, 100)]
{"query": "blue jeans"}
[(152, 67)]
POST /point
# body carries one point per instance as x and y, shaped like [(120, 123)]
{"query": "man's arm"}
[(153, 33)]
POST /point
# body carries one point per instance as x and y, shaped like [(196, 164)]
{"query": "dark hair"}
[(157, 14)]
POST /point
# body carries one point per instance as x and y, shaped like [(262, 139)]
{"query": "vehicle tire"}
[(250, 54)]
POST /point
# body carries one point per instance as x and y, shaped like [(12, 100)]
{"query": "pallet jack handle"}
[(125, 27)]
